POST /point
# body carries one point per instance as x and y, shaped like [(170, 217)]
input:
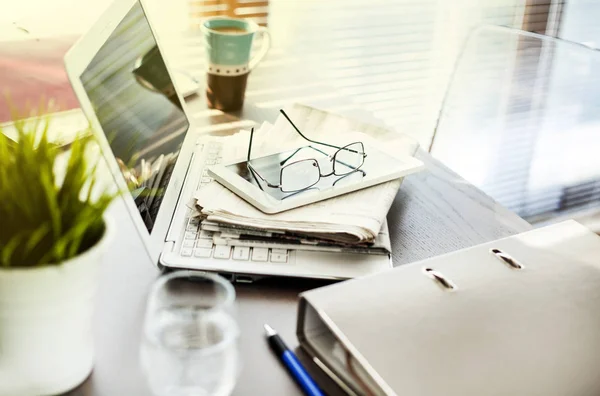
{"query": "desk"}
[(435, 212)]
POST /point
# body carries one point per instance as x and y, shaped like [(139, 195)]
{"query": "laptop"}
[(125, 88)]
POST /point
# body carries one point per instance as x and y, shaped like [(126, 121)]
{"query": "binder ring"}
[(506, 259), (440, 279)]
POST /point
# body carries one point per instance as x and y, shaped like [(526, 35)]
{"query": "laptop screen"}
[(135, 102)]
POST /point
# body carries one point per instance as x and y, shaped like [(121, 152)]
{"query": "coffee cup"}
[(228, 43)]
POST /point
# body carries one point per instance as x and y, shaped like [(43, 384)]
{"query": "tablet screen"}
[(309, 170)]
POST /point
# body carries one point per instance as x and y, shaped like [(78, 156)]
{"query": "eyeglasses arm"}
[(281, 163), (251, 168), (250, 143), (255, 173), (301, 134), (364, 174), (255, 178)]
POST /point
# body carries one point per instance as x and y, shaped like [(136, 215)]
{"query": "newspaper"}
[(354, 218), (229, 235)]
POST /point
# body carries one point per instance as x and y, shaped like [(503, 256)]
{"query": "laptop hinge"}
[(169, 247)]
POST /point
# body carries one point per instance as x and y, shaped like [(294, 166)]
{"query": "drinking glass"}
[(190, 335)]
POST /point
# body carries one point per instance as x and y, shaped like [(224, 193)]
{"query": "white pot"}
[(46, 343)]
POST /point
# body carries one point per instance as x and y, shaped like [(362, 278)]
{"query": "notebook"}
[(517, 316)]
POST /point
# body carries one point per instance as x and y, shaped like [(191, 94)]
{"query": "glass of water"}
[(189, 345)]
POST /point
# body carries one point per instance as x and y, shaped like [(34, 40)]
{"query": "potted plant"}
[(52, 234)]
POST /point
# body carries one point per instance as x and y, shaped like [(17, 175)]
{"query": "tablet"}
[(264, 185)]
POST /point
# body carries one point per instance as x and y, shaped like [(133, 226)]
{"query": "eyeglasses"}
[(303, 174)]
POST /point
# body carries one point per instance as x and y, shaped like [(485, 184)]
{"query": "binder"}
[(517, 316)]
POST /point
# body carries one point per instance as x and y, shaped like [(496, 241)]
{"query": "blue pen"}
[(292, 363)]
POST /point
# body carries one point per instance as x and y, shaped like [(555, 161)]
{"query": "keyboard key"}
[(204, 243), (205, 180), (202, 252), (191, 228), (260, 254), (205, 234), (241, 253), (190, 235), (222, 252), (188, 243), (210, 162), (194, 221), (185, 252), (279, 256), (205, 173)]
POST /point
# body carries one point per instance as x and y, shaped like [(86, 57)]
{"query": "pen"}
[(292, 363)]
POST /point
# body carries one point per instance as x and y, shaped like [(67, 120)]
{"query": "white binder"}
[(517, 316)]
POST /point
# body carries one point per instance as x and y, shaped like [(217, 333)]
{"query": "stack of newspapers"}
[(354, 222)]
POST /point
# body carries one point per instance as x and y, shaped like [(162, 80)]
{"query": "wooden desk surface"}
[(435, 212)]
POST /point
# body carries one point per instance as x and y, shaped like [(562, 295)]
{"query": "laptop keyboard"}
[(199, 243)]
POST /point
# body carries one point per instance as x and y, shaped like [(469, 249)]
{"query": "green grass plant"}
[(47, 217)]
